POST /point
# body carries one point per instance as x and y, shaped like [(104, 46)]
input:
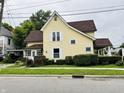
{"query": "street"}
[(60, 85)]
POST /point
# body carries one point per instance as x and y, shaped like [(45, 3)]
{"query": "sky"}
[(109, 24)]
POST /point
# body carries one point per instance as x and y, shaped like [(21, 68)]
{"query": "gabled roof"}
[(5, 32), (34, 36), (102, 42), (84, 26), (75, 29)]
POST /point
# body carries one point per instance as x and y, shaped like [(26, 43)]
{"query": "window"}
[(72, 41), (56, 53), (55, 18), (28, 52), (9, 41), (56, 36), (88, 49)]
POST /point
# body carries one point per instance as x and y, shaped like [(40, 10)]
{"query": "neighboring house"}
[(61, 38), (6, 42), (34, 45)]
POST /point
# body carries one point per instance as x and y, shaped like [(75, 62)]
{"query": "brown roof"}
[(36, 46), (102, 42), (84, 26), (35, 36)]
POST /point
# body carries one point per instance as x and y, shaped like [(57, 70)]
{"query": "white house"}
[(6, 42)]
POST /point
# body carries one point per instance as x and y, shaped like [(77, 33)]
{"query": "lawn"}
[(60, 71)]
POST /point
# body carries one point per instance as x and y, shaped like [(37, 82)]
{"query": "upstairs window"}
[(72, 41), (56, 36)]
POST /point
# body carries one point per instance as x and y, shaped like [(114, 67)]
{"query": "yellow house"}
[(61, 39), (58, 39)]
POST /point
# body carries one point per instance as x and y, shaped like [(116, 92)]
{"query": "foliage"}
[(60, 62), (85, 60), (49, 62), (35, 22), (28, 26), (122, 45), (7, 26), (108, 59), (8, 59), (40, 18), (18, 37), (120, 63), (69, 60)]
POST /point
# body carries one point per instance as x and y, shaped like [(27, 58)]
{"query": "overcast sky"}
[(108, 24)]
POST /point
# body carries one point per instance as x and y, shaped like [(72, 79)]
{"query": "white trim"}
[(55, 13)]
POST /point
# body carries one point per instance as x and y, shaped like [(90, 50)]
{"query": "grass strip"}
[(61, 72)]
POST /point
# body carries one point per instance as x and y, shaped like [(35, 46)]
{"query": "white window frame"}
[(59, 53), (56, 37)]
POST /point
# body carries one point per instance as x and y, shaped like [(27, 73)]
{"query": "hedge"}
[(85, 60)]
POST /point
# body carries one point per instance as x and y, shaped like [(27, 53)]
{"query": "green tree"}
[(40, 18), (18, 37), (28, 26), (7, 26), (122, 45)]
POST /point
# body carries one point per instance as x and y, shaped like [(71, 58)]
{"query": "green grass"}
[(61, 71)]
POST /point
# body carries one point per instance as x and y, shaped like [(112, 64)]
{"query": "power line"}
[(9, 13), (78, 9), (82, 13), (37, 5)]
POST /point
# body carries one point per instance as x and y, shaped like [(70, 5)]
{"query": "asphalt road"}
[(59, 85)]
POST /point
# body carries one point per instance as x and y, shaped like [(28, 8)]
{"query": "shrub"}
[(49, 62), (29, 63), (85, 60), (8, 59), (39, 60), (69, 60), (60, 62), (120, 63), (108, 59)]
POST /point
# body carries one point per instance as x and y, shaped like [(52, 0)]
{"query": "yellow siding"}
[(33, 43), (67, 34), (91, 34)]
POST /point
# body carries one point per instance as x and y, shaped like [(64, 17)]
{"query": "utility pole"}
[(1, 12)]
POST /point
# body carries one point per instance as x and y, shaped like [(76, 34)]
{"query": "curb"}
[(67, 76)]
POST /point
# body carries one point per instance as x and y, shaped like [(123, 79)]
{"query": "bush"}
[(120, 63), (39, 60), (60, 62), (49, 62), (85, 60), (108, 60), (29, 63), (69, 60), (8, 59)]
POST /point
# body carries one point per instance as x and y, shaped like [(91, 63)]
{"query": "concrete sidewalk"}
[(85, 68)]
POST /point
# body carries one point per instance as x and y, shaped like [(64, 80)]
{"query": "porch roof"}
[(36, 46)]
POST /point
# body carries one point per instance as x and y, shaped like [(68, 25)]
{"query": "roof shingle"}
[(102, 42), (84, 26), (35, 36)]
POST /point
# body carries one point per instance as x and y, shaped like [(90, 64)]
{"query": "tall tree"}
[(7, 26), (122, 45), (18, 37), (40, 18), (28, 26)]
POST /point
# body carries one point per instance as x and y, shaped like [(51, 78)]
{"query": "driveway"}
[(60, 85)]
